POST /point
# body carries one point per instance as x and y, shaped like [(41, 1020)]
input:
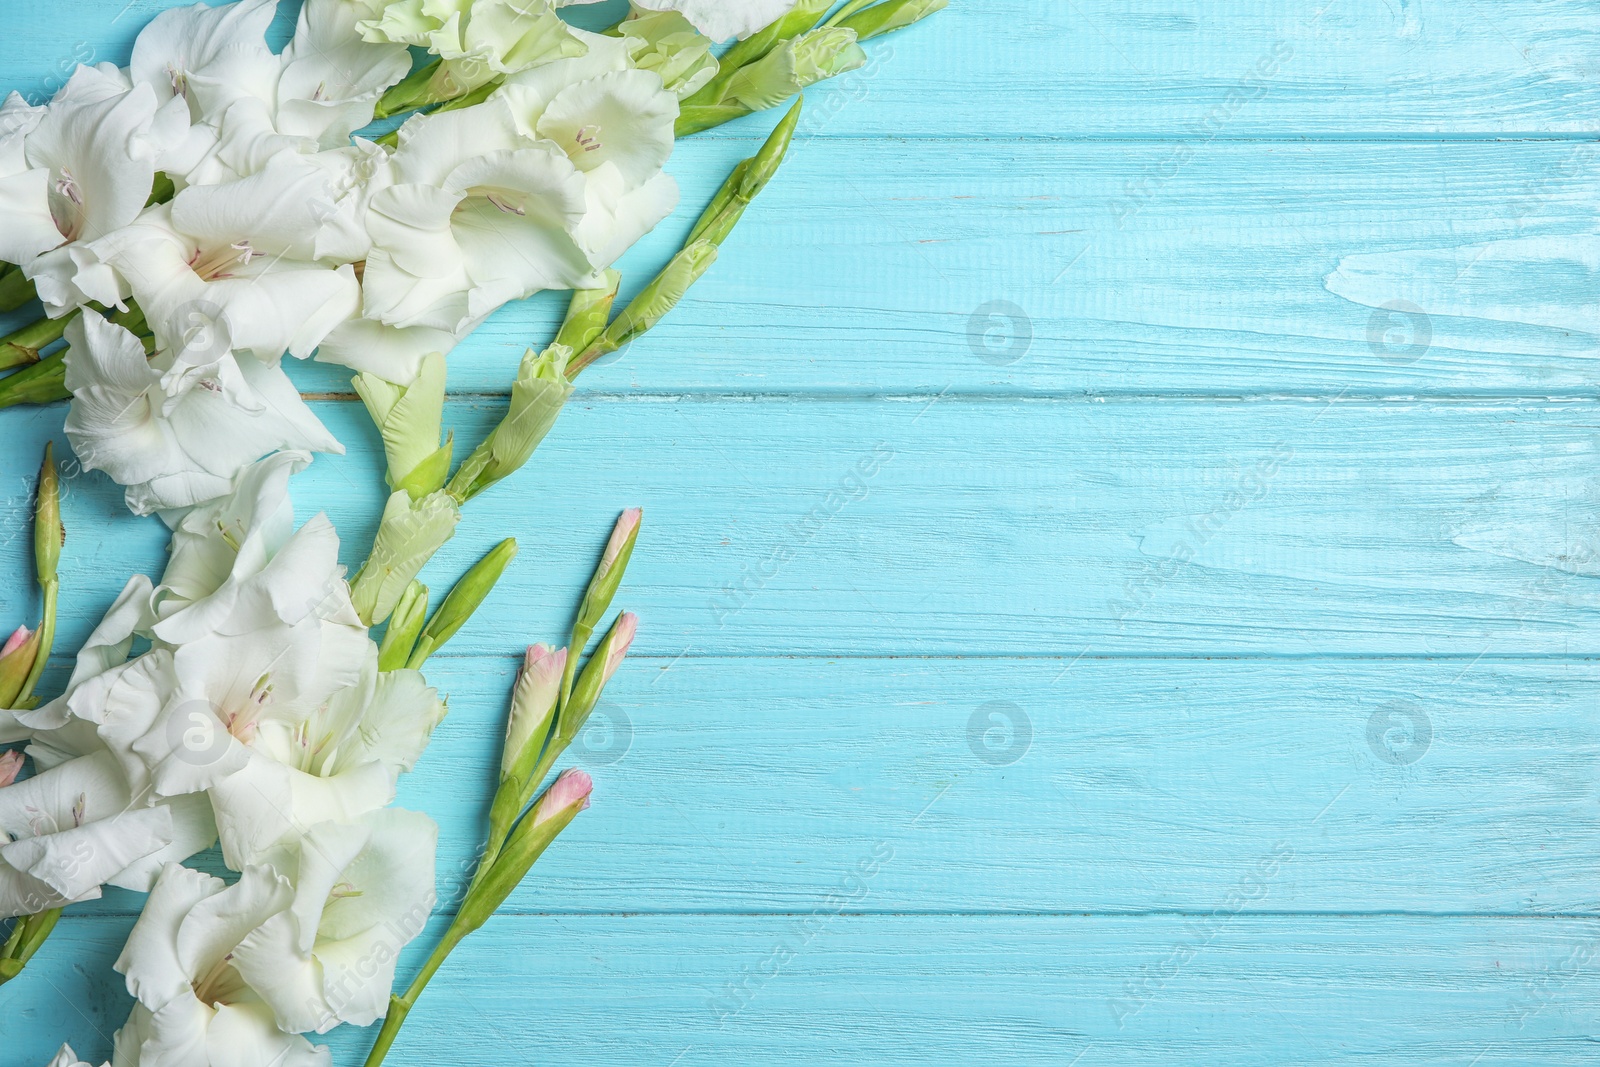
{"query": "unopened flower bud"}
[(10, 767), (596, 673), (613, 565), (16, 664), (463, 600), (409, 533), (653, 302), (589, 312), (15, 641), (410, 419), (569, 793), (533, 706), (626, 630), (405, 624), (48, 533), (538, 394)]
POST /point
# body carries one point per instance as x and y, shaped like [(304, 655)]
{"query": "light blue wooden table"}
[(1206, 674)]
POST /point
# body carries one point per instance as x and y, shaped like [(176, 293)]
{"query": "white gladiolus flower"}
[(340, 761), (228, 549), (476, 39), (176, 433), (363, 891), (540, 187), (194, 1008), (393, 353), (78, 826), (82, 822), (83, 169), (324, 85), (232, 263), (722, 19)]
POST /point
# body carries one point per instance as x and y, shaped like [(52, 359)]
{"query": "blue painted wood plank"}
[(738, 786), (960, 527), (1179, 69), (1024, 270), (1223, 990)]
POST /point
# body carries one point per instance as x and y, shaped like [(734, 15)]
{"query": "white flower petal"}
[(624, 119), (212, 56), (722, 19), (391, 352)]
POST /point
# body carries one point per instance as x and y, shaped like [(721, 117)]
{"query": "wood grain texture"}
[(738, 786), (1227, 990), (1029, 269), (1287, 617), (949, 527), (1180, 69)]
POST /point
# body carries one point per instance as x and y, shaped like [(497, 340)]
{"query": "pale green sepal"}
[(540, 391), (799, 63), (405, 623), (410, 419), (408, 536)]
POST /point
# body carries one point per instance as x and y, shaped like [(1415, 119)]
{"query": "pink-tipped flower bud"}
[(570, 791), (533, 703), (10, 767), (626, 527), (15, 641), (623, 633)]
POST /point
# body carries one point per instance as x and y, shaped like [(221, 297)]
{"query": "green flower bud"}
[(405, 623), (410, 418), (668, 44), (746, 183), (408, 536), (48, 533), (554, 812), (464, 599), (890, 16), (540, 391), (588, 313), (797, 64), (653, 303), (592, 682), (607, 576)]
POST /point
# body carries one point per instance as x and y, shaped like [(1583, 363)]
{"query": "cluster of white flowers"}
[(194, 218), (215, 188), (257, 715)]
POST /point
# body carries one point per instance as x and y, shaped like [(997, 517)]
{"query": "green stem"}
[(42, 383), (22, 346), (847, 10), (47, 640), (400, 1007), (15, 289)]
